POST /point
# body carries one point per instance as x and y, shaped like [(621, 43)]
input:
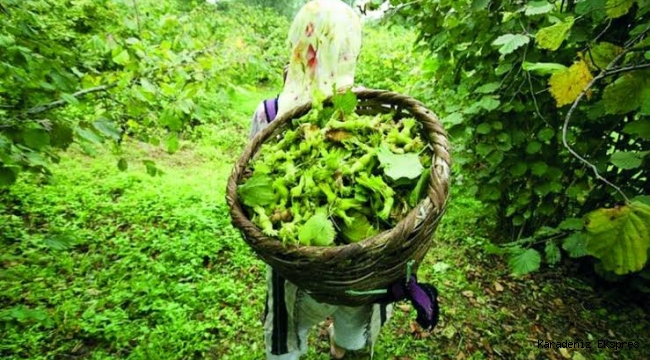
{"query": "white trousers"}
[(291, 313)]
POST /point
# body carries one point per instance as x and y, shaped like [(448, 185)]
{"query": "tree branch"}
[(58, 103), (626, 69), (568, 119)]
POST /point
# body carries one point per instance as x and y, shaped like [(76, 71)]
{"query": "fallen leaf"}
[(565, 353), (498, 287), (460, 356), (449, 332), (486, 345), (468, 293), (611, 333)]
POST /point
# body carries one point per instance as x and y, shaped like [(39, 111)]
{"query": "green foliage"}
[(388, 60), (99, 72), (483, 71)]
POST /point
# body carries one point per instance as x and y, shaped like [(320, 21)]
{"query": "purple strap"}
[(271, 109), (423, 297)]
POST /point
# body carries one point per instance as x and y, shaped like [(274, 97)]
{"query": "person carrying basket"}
[(325, 42)]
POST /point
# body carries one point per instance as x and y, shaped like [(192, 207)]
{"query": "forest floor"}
[(98, 263)]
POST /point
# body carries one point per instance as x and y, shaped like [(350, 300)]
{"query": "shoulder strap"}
[(271, 108)]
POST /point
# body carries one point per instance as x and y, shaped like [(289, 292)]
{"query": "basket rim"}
[(260, 241)]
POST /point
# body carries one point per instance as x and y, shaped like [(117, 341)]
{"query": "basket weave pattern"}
[(327, 273)]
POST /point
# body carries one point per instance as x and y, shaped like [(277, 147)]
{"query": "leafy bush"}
[(518, 80), (74, 74), (388, 60)]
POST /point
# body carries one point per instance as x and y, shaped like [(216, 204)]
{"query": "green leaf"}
[(172, 143), (551, 37), (645, 99), (488, 103), (148, 86), (542, 68), (488, 88), (122, 58), (88, 135), (519, 169), (539, 168), (61, 136), (546, 134), (624, 95), (400, 166), (593, 8), (484, 149), (151, 167), (36, 159), (618, 8), (107, 128), (533, 147), (70, 99), (122, 164), (620, 237), (643, 199), (420, 188), (552, 252), (538, 8), (7, 176), (495, 158), (484, 129), (524, 261), (171, 120), (602, 54), (503, 68), (508, 43), (627, 160), (257, 191), (59, 242), (318, 230), (36, 138), (572, 224), (575, 245), (347, 102), (359, 230), (453, 119), (478, 5)]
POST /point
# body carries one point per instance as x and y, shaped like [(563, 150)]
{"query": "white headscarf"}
[(325, 40)]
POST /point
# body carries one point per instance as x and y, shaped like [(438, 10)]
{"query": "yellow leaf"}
[(566, 85)]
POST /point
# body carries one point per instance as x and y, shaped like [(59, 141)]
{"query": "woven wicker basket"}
[(329, 273)]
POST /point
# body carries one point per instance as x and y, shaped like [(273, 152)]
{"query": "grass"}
[(102, 264)]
